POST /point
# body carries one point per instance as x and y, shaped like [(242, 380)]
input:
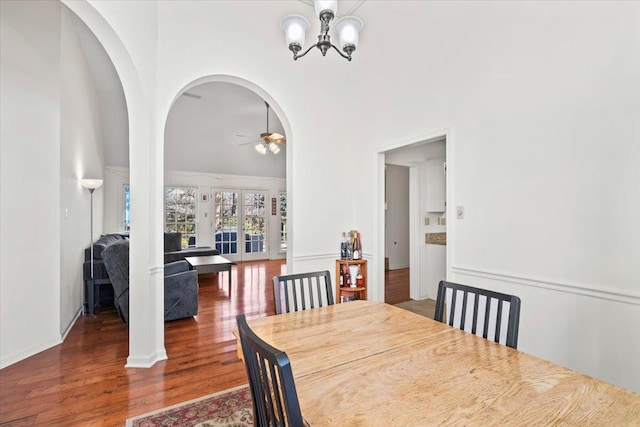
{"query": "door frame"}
[(241, 254), (415, 239)]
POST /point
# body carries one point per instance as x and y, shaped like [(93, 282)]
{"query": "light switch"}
[(460, 212), (66, 213)]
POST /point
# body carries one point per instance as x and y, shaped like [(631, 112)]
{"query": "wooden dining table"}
[(366, 363)]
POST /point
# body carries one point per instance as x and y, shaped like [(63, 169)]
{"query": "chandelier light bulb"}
[(295, 29), (348, 29), (325, 5)]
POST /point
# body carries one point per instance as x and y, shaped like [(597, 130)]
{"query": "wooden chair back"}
[(275, 400), (479, 311), (294, 292)]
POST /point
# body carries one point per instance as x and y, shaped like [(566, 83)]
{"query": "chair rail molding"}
[(332, 256), (313, 257), (615, 295), (157, 269)]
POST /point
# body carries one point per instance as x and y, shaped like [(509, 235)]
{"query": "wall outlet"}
[(426, 221)]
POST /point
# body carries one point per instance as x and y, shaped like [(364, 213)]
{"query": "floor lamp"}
[(91, 185)]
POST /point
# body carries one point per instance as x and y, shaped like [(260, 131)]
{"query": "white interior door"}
[(240, 225)]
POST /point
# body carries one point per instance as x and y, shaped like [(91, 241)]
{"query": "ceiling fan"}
[(268, 140)]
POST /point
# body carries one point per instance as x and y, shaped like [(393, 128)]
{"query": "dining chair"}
[(275, 400), (470, 308), (294, 292)]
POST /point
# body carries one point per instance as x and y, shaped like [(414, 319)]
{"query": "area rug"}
[(228, 408)]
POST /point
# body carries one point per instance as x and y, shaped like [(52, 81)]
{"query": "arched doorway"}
[(248, 100), (146, 331)]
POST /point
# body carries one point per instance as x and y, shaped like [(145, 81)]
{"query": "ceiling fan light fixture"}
[(273, 147), (261, 148)]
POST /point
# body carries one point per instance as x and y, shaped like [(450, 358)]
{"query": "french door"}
[(240, 226)]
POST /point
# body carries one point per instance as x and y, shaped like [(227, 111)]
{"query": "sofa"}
[(173, 250), (180, 283), (97, 293)]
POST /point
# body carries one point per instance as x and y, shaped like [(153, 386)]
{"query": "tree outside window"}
[(180, 212)]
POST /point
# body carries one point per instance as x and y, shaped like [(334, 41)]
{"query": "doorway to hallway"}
[(415, 200)]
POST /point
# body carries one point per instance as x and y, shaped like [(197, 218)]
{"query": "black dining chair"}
[(275, 400), (472, 308), (294, 292)]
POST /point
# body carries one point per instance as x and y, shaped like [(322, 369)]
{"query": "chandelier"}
[(295, 28)]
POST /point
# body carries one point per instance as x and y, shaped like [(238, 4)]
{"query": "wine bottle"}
[(359, 279), (357, 248), (347, 277), (343, 246), (341, 278)]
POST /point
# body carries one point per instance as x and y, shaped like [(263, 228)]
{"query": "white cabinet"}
[(436, 183)]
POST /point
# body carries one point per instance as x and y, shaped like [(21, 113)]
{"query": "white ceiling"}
[(201, 132), (417, 153), (345, 7), (113, 108)]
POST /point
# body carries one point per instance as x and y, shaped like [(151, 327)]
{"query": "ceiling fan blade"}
[(275, 136), (244, 136)]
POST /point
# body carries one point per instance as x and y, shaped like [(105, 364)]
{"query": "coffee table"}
[(211, 264)]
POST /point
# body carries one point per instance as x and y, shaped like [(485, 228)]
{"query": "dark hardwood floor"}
[(83, 382)]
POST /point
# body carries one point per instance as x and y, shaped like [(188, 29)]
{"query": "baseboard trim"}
[(590, 291), (29, 352), (146, 362), (73, 322), (398, 266)]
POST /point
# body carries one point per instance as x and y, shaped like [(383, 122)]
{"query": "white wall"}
[(50, 140), (30, 218), (81, 156), (397, 216)]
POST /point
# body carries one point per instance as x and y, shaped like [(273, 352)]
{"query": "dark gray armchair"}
[(180, 284)]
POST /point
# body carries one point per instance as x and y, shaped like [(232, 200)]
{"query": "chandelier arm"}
[(347, 57), (296, 56)]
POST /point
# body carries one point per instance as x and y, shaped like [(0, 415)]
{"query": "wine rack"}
[(348, 293)]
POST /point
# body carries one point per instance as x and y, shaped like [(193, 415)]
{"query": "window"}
[(180, 212), (283, 221), (127, 208), (226, 222)]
